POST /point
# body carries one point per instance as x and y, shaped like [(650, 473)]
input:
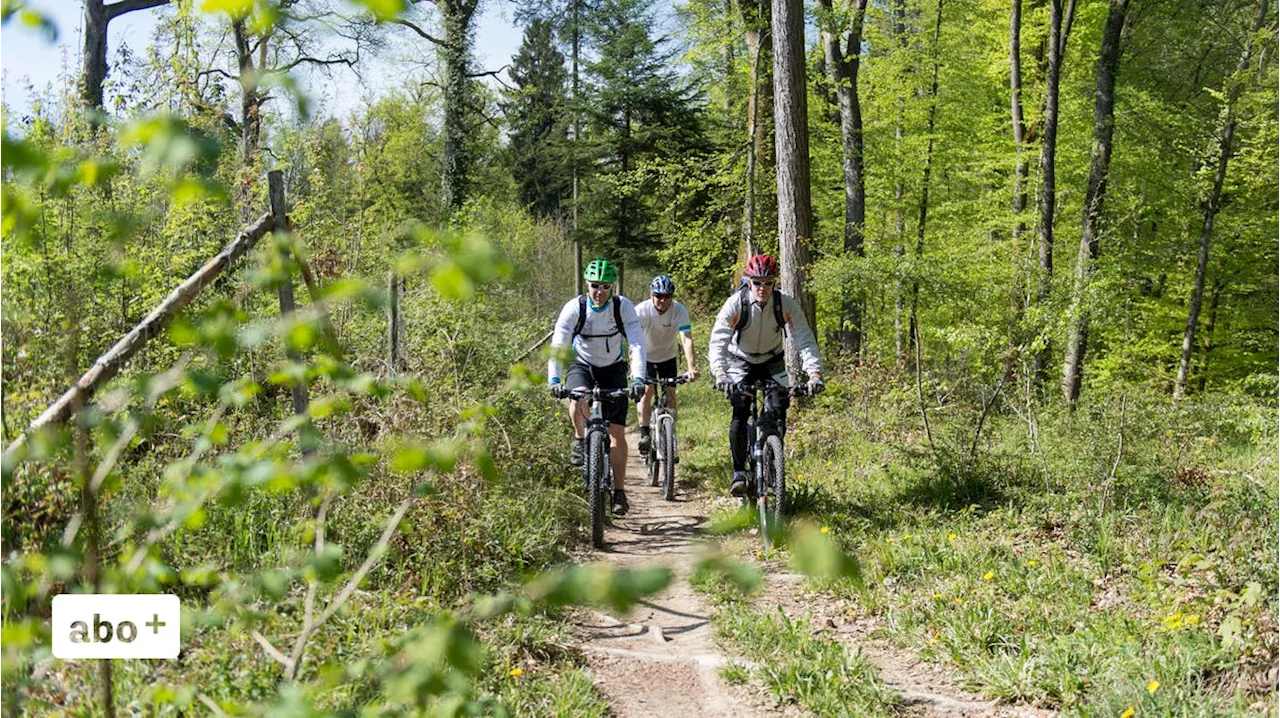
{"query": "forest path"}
[(662, 658)]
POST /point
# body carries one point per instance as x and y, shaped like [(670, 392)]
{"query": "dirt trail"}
[(662, 659)]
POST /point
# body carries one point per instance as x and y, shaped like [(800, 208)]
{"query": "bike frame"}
[(760, 426), (596, 424), (662, 414)]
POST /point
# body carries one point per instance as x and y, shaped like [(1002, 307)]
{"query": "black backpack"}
[(582, 319), (744, 311)]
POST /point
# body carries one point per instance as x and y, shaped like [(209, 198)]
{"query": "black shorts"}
[(614, 376), (660, 370)]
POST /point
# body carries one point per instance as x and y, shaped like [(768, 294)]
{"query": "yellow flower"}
[(828, 462), (515, 673), (907, 537), (1128, 713), (959, 601), (952, 537), (988, 575), (1033, 563), (826, 529), (889, 540), (936, 596), (1191, 620), (1152, 687)]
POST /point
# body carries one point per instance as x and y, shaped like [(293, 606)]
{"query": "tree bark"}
[(1048, 197), (1020, 172), (900, 338), (844, 63), (1213, 203), (457, 58), (795, 217), (923, 213), (1094, 196), (1206, 345), (97, 19)]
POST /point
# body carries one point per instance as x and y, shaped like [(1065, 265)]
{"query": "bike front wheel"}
[(772, 501), (667, 457), (597, 488)]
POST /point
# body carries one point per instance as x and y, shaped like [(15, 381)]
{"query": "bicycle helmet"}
[(761, 265), (600, 270), (662, 284)]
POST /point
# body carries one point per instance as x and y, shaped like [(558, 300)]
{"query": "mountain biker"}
[(595, 325), (747, 345), (663, 319)]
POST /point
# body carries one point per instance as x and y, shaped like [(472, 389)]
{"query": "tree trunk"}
[(795, 218), (1048, 150), (1094, 196), (97, 19), (1213, 203), (393, 322), (928, 166), (1019, 184), (900, 338), (844, 63), (1206, 346), (753, 138), (577, 133), (457, 57), (757, 19)]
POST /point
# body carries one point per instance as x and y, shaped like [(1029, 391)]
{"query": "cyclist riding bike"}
[(747, 345), (663, 319), (595, 324)]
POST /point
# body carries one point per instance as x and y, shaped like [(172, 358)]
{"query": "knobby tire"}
[(597, 492), (667, 456), (772, 504)]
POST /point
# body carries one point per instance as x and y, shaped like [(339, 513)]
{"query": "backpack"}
[(582, 319), (744, 311)]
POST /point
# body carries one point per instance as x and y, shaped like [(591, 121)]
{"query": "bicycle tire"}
[(651, 467), (667, 456), (775, 484), (597, 493)]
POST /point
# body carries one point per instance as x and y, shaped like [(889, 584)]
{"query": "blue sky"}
[(27, 55)]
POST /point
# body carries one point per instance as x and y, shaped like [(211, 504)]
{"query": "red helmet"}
[(761, 265)]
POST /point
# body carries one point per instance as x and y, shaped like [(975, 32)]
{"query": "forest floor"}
[(663, 658)]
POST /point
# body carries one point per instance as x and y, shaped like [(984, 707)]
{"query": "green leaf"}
[(383, 9), (819, 556), (452, 281)]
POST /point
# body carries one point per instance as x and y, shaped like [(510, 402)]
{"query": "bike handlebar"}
[(680, 379), (750, 388), (597, 393)]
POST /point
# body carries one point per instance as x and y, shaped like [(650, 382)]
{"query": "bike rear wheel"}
[(667, 456), (597, 490), (773, 497)]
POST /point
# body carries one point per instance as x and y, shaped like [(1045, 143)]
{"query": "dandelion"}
[(937, 596), (889, 540), (988, 575), (907, 537), (952, 537), (1033, 563), (515, 673), (1152, 687), (1191, 620), (828, 463), (1128, 712), (826, 529), (959, 601)]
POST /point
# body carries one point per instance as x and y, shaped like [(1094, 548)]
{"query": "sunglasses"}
[(661, 296), (600, 286), (763, 282)]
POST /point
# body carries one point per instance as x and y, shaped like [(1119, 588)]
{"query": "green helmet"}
[(600, 270)]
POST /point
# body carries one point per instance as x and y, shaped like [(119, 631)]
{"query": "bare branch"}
[(126, 6), (421, 33), (271, 650)]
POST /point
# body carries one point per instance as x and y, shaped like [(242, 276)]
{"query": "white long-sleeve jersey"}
[(761, 339), (600, 343)]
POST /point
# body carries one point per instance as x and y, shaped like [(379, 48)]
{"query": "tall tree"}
[(791, 138), (757, 19), (1094, 196), (537, 113), (923, 211), (97, 18), (640, 111), (1059, 30), (1020, 174), (1212, 203), (844, 62), (454, 48)]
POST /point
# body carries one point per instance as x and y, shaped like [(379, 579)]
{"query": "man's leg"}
[(578, 411), (618, 462), (645, 411), (671, 400), (578, 376)]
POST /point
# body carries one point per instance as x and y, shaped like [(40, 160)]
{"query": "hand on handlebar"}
[(724, 385), (637, 390), (815, 385), (559, 391)]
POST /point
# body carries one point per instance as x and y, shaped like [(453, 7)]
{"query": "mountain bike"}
[(597, 472), (766, 467), (660, 462)]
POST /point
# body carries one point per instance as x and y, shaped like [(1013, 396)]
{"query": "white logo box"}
[(96, 625)]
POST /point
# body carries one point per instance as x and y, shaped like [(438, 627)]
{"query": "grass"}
[(1046, 573)]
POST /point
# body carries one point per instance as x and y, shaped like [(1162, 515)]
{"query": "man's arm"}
[(635, 338), (686, 341), (721, 335), (802, 335), (561, 336)]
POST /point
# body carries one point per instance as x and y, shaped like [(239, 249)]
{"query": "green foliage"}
[(537, 110)]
